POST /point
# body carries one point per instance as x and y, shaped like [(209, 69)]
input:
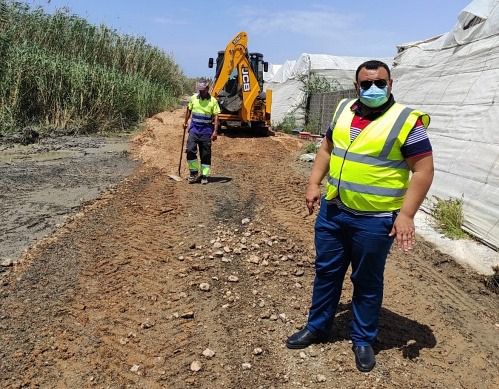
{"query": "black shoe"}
[(304, 338), (193, 178), (364, 358)]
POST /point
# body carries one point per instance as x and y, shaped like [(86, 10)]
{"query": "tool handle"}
[(181, 151)]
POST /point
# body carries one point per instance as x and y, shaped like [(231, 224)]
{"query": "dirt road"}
[(136, 287)]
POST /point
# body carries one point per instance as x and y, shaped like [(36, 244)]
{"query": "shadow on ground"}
[(219, 179), (395, 331)]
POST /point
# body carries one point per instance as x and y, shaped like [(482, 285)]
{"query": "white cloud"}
[(316, 29), (315, 21)]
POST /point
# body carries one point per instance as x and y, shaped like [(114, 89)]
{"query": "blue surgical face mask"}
[(374, 96)]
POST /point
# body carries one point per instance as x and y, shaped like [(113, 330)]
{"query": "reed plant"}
[(60, 73)]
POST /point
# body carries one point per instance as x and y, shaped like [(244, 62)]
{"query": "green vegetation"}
[(311, 147), (492, 282), (60, 73), (315, 83), (313, 123), (286, 125), (449, 217), (311, 83)]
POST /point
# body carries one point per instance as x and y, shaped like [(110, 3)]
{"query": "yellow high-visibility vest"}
[(203, 111), (208, 107), (370, 173)]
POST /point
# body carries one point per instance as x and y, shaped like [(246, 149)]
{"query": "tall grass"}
[(59, 72), (449, 217)]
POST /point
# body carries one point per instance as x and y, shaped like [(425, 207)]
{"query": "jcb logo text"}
[(246, 79)]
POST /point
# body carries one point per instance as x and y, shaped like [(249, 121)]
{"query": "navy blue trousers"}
[(203, 142), (343, 238)]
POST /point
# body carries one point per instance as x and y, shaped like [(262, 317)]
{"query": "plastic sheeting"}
[(287, 89), (455, 78), (269, 75)]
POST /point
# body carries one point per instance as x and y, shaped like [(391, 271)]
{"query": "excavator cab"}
[(238, 86), (258, 65)]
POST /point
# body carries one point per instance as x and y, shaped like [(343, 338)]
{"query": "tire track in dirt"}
[(459, 323), (459, 309)]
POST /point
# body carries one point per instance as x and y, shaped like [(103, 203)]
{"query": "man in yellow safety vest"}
[(379, 165), (202, 110)]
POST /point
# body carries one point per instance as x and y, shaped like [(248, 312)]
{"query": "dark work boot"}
[(193, 178), (364, 358), (304, 338)]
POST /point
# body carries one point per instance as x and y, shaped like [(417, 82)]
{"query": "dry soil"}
[(112, 298)]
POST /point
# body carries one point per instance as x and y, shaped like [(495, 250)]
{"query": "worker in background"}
[(202, 110), (369, 152)]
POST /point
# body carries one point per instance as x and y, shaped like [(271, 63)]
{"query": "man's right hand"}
[(185, 126), (312, 197)]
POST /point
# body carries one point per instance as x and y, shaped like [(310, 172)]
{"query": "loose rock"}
[(254, 259), (204, 286), (217, 245), (196, 366), (320, 378), (6, 262), (147, 324), (209, 353)]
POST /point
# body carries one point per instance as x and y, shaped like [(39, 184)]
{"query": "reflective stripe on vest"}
[(201, 118), (370, 173), (375, 190), (369, 160)]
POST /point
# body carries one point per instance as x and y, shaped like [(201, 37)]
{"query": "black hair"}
[(373, 64)]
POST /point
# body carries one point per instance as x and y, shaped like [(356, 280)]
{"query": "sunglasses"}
[(368, 83)]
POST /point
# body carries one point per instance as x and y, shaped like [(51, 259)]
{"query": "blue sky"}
[(193, 31)]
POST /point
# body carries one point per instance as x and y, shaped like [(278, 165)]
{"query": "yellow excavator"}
[(238, 87)]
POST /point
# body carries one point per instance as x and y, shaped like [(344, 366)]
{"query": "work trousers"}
[(203, 143), (343, 238)]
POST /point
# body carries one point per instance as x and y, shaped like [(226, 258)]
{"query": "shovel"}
[(174, 176)]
